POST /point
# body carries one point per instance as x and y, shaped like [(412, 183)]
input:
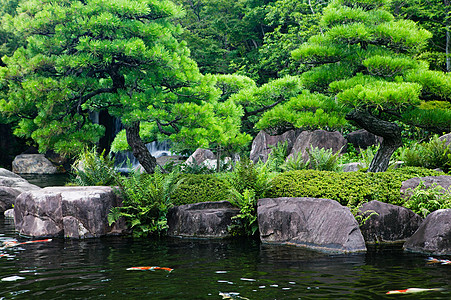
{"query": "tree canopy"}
[(116, 55), (365, 66)]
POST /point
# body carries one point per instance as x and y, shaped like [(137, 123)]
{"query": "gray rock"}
[(7, 197), (33, 164), (201, 220), (7, 173), (318, 138), (362, 139), (443, 180), (199, 156), (352, 167), (318, 224), (263, 143), (388, 222), (434, 235), (74, 212)]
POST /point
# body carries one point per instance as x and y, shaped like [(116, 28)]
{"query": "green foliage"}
[(433, 154), (247, 176), (307, 111), (245, 223), (323, 159), (295, 162), (349, 188), (423, 200), (195, 188), (94, 169), (146, 201)]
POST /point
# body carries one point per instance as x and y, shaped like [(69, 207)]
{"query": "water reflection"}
[(96, 268)]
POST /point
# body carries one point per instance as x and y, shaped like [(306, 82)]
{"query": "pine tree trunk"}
[(390, 132), (140, 151)]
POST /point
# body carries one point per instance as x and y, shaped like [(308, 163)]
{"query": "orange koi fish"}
[(149, 269), (413, 291)]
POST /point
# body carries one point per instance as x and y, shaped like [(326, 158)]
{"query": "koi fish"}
[(232, 296), (149, 269), (413, 291), (8, 244), (432, 260)]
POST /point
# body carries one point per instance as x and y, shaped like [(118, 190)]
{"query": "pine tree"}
[(122, 56), (365, 66)]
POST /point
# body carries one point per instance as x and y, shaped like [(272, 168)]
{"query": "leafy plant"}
[(277, 156), (423, 200), (146, 201), (323, 159), (360, 216), (295, 162), (94, 169), (431, 155), (245, 223)]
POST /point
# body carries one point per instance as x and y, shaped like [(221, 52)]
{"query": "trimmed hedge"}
[(195, 188), (347, 188)]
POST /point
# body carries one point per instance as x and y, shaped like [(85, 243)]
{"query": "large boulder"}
[(201, 220), (407, 186), (11, 185), (73, 212), (434, 235), (199, 156), (387, 223), (33, 164), (318, 138), (263, 143), (318, 224), (362, 139)]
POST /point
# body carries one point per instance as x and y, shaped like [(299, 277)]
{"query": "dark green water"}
[(96, 269)]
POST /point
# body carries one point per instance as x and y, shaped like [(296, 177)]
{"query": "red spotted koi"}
[(149, 269), (413, 291), (8, 244), (432, 260)]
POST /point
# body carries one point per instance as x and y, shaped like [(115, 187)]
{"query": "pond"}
[(206, 269)]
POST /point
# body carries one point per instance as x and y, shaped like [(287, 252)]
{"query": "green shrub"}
[(245, 223), (146, 201), (350, 188), (431, 155), (194, 188), (94, 169), (323, 159), (423, 200)]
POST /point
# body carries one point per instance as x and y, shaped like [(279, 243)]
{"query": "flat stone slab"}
[(201, 220), (433, 237), (388, 223), (317, 224), (73, 212)]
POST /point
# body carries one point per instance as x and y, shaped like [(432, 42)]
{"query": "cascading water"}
[(156, 149)]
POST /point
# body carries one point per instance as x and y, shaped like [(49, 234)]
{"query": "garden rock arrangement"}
[(434, 235), (319, 224), (201, 220), (388, 223), (33, 164), (73, 212), (264, 142), (318, 138)]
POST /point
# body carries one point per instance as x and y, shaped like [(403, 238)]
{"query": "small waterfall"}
[(156, 149)]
